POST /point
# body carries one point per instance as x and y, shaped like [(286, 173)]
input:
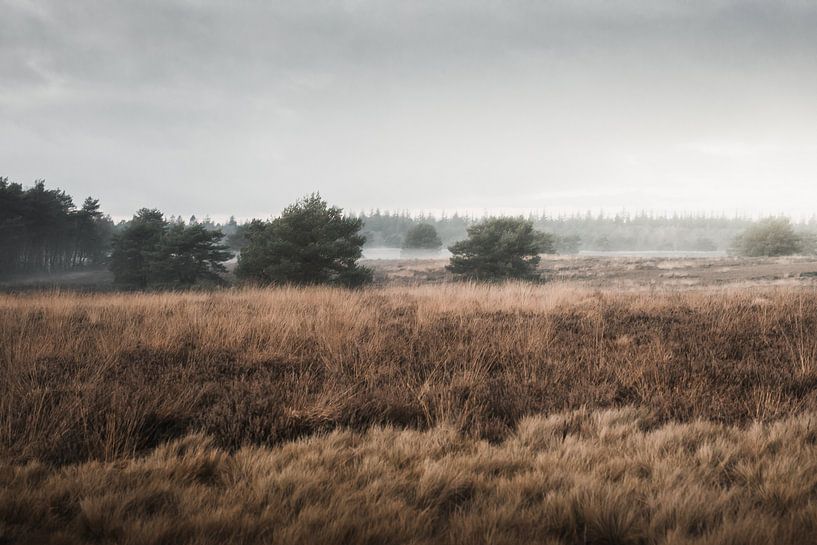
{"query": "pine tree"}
[(422, 236), (188, 254), (135, 246), (310, 243), (498, 249), (153, 252)]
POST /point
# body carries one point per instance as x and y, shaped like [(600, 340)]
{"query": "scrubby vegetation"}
[(574, 478), (100, 377), (475, 385), (457, 413)]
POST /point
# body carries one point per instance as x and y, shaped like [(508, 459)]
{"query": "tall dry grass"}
[(104, 377), (603, 477)]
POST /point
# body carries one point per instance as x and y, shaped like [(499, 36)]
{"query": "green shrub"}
[(311, 243), (498, 249), (422, 236), (768, 237)]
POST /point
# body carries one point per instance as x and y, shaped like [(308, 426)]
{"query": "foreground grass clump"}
[(581, 477), (104, 377)]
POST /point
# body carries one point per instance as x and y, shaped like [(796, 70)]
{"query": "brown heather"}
[(603, 477), (410, 415), (98, 377)]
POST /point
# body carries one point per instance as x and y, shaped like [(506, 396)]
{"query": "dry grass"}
[(440, 414), (583, 477), (103, 377), (629, 272)]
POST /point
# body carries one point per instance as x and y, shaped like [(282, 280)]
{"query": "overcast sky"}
[(239, 107)]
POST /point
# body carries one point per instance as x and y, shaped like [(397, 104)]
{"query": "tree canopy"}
[(422, 236), (41, 230), (188, 254), (310, 243), (149, 251), (498, 249), (769, 237)]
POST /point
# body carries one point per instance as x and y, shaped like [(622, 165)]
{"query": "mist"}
[(218, 108)]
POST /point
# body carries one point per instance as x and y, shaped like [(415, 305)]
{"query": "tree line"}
[(585, 231), (311, 242), (42, 230), (151, 251)]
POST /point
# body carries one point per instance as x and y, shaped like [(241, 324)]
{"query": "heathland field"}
[(452, 413)]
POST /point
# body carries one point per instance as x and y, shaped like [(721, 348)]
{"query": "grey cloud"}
[(425, 104)]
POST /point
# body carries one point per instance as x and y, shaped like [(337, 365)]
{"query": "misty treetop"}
[(770, 237), (584, 231), (150, 251), (41, 230), (389, 229), (422, 236), (309, 243)]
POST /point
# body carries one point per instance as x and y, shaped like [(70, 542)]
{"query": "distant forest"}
[(591, 232), (43, 230)]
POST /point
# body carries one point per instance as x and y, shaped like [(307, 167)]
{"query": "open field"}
[(606, 272), (634, 272), (454, 413)]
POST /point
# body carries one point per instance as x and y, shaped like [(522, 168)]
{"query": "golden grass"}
[(102, 377), (591, 477), (440, 414)]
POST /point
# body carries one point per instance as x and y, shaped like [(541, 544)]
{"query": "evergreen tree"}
[(570, 244), (42, 231), (310, 243), (498, 249), (93, 233), (150, 251), (188, 254), (769, 237), (422, 236), (12, 227), (135, 247)]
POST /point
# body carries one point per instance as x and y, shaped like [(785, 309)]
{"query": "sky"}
[(240, 107)]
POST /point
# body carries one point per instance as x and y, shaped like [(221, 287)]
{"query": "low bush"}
[(769, 237)]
